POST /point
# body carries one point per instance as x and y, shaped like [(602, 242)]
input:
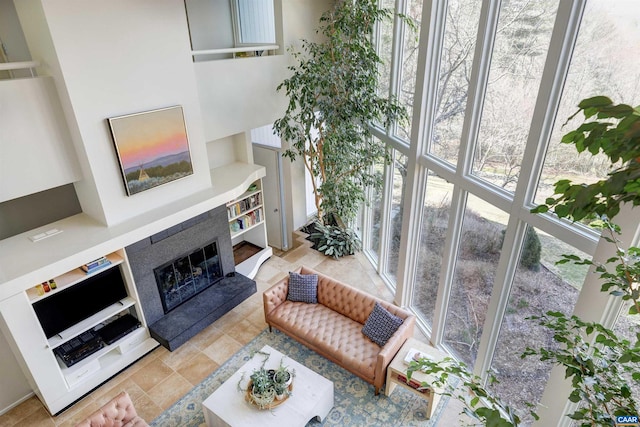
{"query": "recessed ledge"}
[(24, 263)]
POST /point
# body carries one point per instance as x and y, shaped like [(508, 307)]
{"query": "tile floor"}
[(159, 379)]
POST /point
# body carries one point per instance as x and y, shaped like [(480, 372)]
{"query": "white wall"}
[(35, 146), (122, 56), (265, 135), (211, 24), (119, 57), (116, 58), (240, 94)]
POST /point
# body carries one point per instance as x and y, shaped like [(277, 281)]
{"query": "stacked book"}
[(250, 219), (95, 265), (244, 205)]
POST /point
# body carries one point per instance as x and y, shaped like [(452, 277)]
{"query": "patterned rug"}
[(354, 401)]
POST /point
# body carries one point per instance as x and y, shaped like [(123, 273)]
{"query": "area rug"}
[(354, 401)]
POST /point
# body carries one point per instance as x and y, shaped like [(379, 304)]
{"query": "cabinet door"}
[(24, 332), (15, 386)]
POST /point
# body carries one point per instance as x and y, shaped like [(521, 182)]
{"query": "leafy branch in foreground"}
[(599, 363), (480, 404), (613, 130), (602, 366), (596, 367)]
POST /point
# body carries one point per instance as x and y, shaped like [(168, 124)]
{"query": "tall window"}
[(375, 221), (501, 88), (435, 221), (598, 67), (537, 288), (477, 259), (409, 66), (396, 212), (461, 28), (519, 53)]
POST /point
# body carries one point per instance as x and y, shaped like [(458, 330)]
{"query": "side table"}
[(397, 374)]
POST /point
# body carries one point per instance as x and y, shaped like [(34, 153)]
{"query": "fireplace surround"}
[(174, 326)]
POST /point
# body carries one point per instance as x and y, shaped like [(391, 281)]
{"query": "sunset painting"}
[(152, 148)]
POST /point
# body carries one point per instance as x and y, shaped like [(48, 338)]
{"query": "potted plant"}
[(262, 391), (267, 385), (333, 98)]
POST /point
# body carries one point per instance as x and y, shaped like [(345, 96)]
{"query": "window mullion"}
[(487, 30), (509, 257), (556, 69), (396, 56), (385, 218)]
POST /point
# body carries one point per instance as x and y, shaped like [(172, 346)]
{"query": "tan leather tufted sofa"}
[(333, 327), (118, 412)]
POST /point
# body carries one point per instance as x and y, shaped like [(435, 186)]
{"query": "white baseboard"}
[(16, 403)]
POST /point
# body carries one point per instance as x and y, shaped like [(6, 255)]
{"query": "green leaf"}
[(596, 101), (575, 396)]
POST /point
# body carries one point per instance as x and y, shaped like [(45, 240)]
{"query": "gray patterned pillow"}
[(380, 325), (303, 288)]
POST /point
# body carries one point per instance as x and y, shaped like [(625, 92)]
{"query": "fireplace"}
[(169, 269), (184, 277)]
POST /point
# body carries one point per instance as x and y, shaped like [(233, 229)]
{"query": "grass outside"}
[(552, 251)]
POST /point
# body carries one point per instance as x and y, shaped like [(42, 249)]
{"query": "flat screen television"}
[(80, 301)]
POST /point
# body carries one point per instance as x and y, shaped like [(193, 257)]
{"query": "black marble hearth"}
[(185, 321), (174, 328)]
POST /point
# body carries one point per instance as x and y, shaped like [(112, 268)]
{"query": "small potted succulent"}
[(262, 390), (282, 379), (267, 385)]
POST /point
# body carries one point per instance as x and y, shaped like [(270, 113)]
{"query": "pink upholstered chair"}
[(118, 412)]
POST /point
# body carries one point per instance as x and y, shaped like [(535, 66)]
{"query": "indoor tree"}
[(333, 98)]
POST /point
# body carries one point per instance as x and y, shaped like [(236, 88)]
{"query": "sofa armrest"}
[(391, 348), (274, 296)]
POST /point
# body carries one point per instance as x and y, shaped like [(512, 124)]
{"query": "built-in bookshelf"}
[(247, 225), (247, 211)]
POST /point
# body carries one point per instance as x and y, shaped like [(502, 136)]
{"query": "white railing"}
[(8, 66), (234, 50)]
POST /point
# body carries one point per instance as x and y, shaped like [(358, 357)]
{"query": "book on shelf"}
[(244, 205), (96, 264), (248, 220), (414, 384)]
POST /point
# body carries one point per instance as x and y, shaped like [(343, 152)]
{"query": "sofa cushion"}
[(381, 325), (119, 411), (303, 288), (329, 333)]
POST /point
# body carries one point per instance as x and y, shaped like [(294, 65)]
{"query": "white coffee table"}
[(312, 397)]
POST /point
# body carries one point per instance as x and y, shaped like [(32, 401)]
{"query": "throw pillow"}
[(303, 288), (380, 325)]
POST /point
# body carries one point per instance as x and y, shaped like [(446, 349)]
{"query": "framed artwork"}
[(152, 148)]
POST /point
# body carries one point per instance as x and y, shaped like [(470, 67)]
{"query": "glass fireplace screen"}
[(184, 277)]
